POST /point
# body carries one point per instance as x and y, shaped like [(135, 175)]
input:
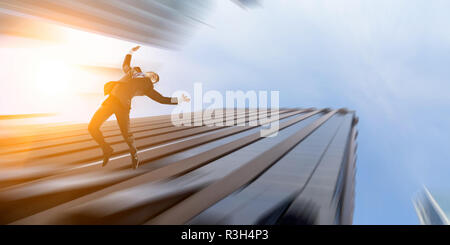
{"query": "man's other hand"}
[(184, 98), (135, 49)]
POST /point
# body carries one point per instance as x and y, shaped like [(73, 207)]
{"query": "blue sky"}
[(385, 59)]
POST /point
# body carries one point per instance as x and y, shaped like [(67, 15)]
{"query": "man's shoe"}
[(135, 160), (107, 152)]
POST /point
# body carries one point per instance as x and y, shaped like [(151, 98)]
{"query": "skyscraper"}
[(210, 174), (156, 23), (432, 209)]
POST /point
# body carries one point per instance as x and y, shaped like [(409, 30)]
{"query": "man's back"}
[(128, 87)]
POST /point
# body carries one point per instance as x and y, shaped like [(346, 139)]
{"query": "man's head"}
[(154, 77)]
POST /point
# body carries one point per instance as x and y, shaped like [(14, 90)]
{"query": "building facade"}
[(432, 209), (217, 173)]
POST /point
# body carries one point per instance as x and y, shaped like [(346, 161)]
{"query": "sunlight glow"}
[(64, 76), (53, 78)]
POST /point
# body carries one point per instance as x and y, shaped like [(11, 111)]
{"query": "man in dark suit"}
[(133, 83)]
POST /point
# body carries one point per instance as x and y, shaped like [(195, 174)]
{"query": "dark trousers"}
[(112, 106)]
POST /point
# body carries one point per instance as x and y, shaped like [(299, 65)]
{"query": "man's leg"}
[(100, 116), (123, 119)]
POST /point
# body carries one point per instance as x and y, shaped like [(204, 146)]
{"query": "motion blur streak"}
[(57, 179)]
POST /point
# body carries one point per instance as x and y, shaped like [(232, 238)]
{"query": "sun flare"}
[(52, 78)]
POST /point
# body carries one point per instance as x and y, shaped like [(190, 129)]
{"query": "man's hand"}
[(135, 49), (184, 98)]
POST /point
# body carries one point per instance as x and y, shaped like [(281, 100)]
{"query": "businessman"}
[(120, 93)]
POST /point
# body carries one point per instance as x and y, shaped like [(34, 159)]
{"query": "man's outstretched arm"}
[(126, 62), (154, 95)]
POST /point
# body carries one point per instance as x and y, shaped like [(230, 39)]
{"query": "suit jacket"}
[(130, 85)]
